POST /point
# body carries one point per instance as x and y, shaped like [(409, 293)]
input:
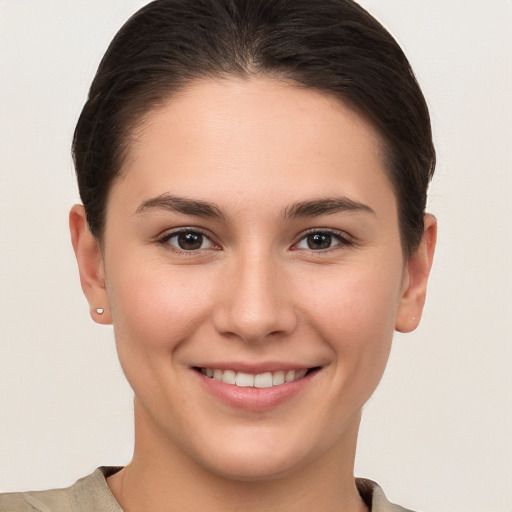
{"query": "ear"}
[(90, 265), (414, 287)]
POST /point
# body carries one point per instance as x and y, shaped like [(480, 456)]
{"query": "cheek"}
[(154, 312), (358, 325), (355, 315), (355, 301), (158, 306)]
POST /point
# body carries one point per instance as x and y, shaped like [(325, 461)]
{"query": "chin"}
[(256, 457), (255, 467)]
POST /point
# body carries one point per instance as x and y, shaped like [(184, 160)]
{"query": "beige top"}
[(92, 494)]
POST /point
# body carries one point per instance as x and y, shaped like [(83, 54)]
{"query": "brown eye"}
[(322, 241), (188, 241), (318, 241)]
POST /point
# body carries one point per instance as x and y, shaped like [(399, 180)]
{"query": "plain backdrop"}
[(437, 434)]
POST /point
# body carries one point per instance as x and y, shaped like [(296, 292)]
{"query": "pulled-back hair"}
[(333, 46)]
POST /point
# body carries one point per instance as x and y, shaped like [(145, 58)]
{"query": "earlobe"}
[(415, 279), (90, 265)]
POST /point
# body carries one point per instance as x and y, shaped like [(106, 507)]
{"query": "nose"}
[(256, 301)]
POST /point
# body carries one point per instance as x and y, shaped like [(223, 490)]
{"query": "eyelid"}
[(344, 239), (164, 238)]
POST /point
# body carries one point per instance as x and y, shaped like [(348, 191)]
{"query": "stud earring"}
[(100, 311)]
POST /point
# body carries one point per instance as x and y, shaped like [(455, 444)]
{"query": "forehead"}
[(244, 132)]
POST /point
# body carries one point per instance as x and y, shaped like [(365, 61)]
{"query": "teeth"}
[(277, 378), (263, 380), (247, 380), (229, 376)]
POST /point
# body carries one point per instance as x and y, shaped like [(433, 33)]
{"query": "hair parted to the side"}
[(330, 45)]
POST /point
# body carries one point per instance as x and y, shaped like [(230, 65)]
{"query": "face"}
[(254, 274)]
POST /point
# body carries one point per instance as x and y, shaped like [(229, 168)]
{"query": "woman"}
[(253, 177)]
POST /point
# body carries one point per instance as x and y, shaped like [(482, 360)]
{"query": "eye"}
[(187, 240), (321, 241)]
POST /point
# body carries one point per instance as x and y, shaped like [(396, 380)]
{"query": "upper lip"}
[(255, 368)]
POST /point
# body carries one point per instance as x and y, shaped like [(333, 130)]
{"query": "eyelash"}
[(164, 240), (340, 238)]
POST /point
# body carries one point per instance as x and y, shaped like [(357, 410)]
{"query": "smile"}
[(260, 380)]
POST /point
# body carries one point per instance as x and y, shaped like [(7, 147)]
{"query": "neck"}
[(163, 478)]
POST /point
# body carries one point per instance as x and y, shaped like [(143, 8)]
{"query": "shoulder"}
[(89, 494), (40, 501), (374, 497)]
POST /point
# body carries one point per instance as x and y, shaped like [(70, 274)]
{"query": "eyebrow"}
[(198, 208), (325, 206), (183, 205)]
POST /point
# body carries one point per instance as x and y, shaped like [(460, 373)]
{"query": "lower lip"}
[(254, 399)]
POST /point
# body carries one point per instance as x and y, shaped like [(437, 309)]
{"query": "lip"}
[(252, 398), (254, 368)]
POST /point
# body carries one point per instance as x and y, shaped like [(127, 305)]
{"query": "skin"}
[(254, 293)]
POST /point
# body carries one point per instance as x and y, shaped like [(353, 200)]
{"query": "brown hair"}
[(330, 45)]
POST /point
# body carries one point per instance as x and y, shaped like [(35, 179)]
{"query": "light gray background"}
[(437, 434)]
